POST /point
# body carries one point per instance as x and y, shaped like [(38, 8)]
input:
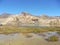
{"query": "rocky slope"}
[(28, 19)]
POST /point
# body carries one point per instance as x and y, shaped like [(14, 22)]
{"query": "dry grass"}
[(12, 29)]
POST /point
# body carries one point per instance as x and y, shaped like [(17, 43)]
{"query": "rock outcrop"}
[(28, 19)]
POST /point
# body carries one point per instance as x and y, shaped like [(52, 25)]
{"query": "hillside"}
[(24, 19)]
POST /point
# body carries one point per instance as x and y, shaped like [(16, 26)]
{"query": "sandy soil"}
[(19, 39)]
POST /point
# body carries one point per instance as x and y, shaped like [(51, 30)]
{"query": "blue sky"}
[(35, 7)]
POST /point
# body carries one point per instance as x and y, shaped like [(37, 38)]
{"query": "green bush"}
[(53, 38)]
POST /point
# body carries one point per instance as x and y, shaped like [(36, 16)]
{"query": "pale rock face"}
[(26, 18)]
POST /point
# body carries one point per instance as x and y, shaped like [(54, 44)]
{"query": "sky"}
[(35, 7)]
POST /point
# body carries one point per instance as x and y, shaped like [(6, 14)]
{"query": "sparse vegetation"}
[(12, 29), (53, 38), (58, 32)]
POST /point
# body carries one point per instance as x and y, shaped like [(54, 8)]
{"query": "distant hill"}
[(4, 15), (28, 19)]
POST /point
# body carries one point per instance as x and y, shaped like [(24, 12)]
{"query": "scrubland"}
[(15, 29)]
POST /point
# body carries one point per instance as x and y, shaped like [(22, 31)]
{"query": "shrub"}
[(53, 38), (58, 32)]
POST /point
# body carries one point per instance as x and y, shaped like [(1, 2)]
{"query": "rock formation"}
[(28, 19)]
